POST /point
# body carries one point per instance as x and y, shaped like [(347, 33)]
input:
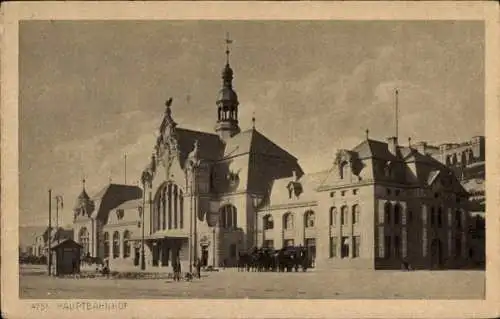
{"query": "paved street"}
[(339, 284)]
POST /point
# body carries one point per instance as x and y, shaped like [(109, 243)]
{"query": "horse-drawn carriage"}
[(286, 259)]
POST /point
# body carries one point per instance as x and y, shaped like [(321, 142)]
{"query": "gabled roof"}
[(66, 243), (252, 141), (210, 145), (374, 149), (113, 195)]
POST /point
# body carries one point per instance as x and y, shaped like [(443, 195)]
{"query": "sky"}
[(92, 91)]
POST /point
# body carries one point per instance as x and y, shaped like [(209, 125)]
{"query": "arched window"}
[(397, 214), (448, 160), (343, 215), (355, 214), (309, 219), (106, 245), (333, 216), (228, 217), (454, 159), (268, 222), (288, 221), (83, 239), (126, 244), (116, 244), (168, 210), (387, 212)]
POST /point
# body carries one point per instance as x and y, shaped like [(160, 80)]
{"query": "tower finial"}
[(83, 183), (168, 103), (396, 114), (367, 132), (228, 42), (253, 120), (409, 141)]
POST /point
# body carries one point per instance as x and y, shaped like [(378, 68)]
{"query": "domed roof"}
[(227, 94)]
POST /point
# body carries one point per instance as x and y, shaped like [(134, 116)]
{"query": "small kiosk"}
[(66, 257)]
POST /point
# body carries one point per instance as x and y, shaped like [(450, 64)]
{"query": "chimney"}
[(392, 144), (294, 175)]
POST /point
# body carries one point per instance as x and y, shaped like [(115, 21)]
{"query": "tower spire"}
[(227, 101), (228, 52)]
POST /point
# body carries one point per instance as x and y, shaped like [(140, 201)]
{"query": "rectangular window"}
[(345, 247), (356, 245), (388, 246), (342, 193), (354, 191), (333, 247)]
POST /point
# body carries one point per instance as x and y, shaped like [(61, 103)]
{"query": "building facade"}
[(213, 195)]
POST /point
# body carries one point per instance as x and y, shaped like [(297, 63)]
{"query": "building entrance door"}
[(204, 255), (311, 250)]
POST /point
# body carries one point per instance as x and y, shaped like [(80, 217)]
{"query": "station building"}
[(211, 195)]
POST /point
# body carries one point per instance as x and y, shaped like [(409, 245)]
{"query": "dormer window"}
[(120, 213), (344, 170), (388, 169), (294, 189)]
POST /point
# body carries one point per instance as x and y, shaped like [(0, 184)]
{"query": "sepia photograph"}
[(251, 159)]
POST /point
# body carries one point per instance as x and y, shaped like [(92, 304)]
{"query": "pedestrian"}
[(198, 268), (179, 271)]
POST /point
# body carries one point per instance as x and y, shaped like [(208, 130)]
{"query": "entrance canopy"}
[(171, 233)]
